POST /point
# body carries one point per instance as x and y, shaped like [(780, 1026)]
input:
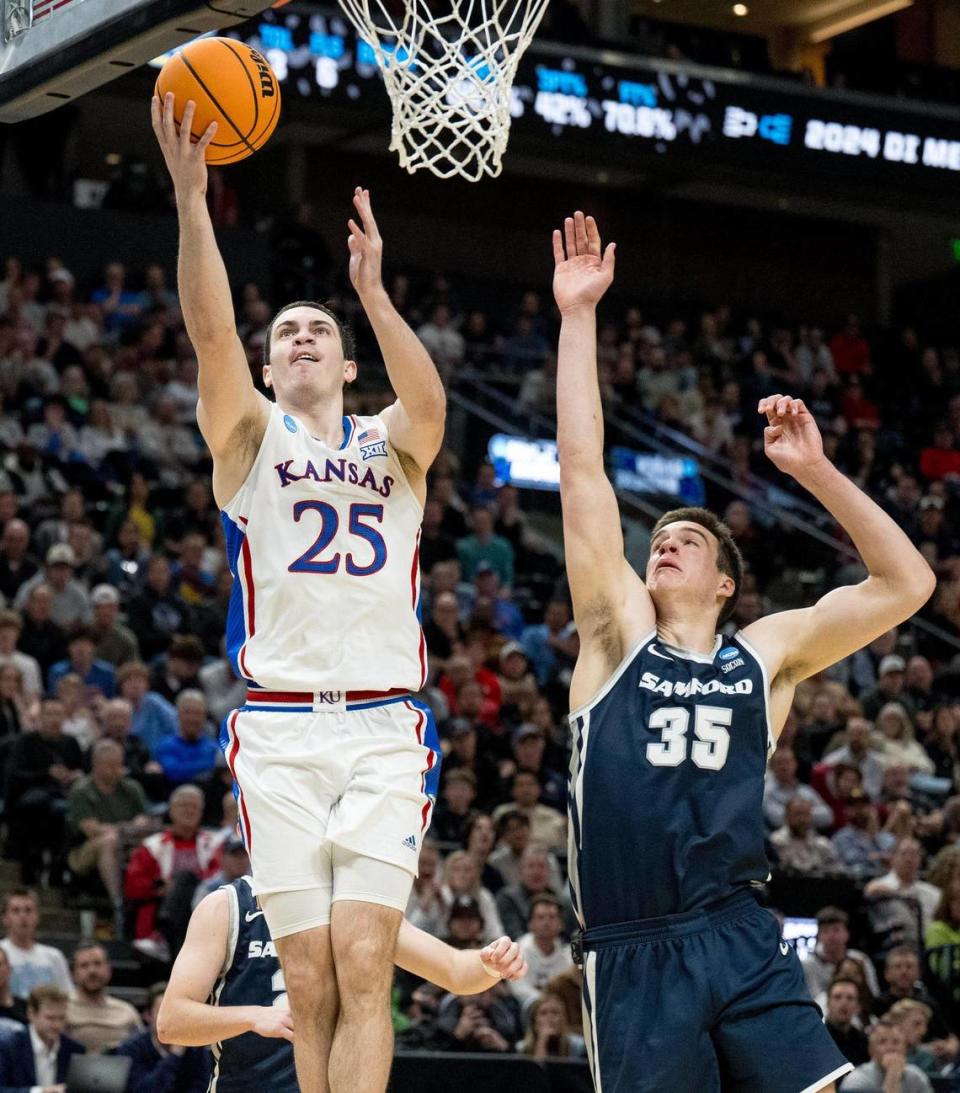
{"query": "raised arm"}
[(459, 971), (231, 413), (185, 1017), (610, 602), (797, 644), (415, 421)]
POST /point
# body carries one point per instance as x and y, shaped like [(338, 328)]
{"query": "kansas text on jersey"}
[(666, 783), (323, 545), (251, 976)]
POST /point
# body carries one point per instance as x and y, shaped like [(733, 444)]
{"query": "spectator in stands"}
[(514, 901), (70, 604), (940, 743), (32, 964), (860, 844), (890, 679), (41, 638), (518, 687), (479, 841), (221, 687), (944, 929), (547, 826), (538, 390), (918, 689), (903, 879), (483, 545), (426, 908), (97, 675), (165, 869), (513, 838), (782, 785), (859, 752), (103, 809), (453, 810), (125, 563), (95, 1018), (38, 1058), (157, 613), (462, 878), (43, 766), (464, 929), (119, 306), (491, 607), (191, 754), (13, 1011), (546, 955), (888, 1069), (914, 1018), (116, 643), (234, 864), (798, 847), (548, 1033), (552, 642), (443, 341), (178, 668), (435, 544), (902, 974), (465, 753), (899, 789), (832, 948), (900, 746), (157, 1068), (116, 720), (17, 564), (78, 719), (11, 626), (488, 1022), (529, 748), (843, 997), (154, 718), (850, 350)]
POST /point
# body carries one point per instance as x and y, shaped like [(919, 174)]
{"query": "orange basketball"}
[(232, 85)]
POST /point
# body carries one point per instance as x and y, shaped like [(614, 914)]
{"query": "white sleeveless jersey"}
[(323, 544)]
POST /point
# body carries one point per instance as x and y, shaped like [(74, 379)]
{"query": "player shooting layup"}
[(335, 765), (687, 983)]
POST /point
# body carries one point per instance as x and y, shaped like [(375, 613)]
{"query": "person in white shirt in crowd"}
[(832, 947), (11, 626), (888, 1070), (37, 1058), (542, 948), (860, 751), (781, 785), (443, 341), (903, 880), (95, 1018), (513, 837), (547, 825), (31, 963), (799, 848), (899, 743), (462, 878)]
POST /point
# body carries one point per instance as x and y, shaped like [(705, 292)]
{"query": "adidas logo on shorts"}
[(410, 842)]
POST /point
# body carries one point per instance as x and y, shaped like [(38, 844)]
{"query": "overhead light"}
[(112, 159), (855, 15), (741, 9)]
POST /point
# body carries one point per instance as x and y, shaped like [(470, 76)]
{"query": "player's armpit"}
[(228, 398), (420, 439), (797, 644)]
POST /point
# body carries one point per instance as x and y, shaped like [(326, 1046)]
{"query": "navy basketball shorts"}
[(702, 1002)]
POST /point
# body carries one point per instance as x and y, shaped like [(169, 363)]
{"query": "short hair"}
[(82, 633), (830, 916), (885, 1022), (104, 745), (346, 334), (46, 994), (190, 694), (512, 816), (86, 947), (132, 668), (841, 979), (909, 1005), (462, 774), (186, 790), (901, 950), (187, 647), (20, 892), (10, 619), (729, 558), (551, 901)]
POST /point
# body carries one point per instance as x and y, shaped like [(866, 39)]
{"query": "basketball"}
[(233, 85)]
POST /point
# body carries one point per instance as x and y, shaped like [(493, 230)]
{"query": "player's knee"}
[(364, 964), (309, 987)]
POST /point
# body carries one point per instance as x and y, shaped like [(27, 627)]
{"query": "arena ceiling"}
[(812, 21)]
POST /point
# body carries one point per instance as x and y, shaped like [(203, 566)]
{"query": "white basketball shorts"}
[(355, 769)]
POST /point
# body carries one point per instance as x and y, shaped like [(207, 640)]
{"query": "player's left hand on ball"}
[(503, 956), (365, 246), (791, 439), (275, 1022)]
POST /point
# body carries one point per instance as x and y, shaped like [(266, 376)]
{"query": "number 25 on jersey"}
[(712, 737)]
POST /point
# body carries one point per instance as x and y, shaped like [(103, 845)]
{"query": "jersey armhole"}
[(235, 501), (398, 458), (616, 674), (771, 739), (233, 930)]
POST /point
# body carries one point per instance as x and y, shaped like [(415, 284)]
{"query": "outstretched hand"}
[(365, 246), (583, 271), (791, 439), (185, 159)]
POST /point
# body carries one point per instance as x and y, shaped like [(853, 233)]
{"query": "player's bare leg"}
[(364, 938), (308, 974)]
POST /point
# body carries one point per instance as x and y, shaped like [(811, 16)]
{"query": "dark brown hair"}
[(346, 334), (729, 558)]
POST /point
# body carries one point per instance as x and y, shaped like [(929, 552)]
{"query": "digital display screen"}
[(528, 464), (801, 933), (673, 476)]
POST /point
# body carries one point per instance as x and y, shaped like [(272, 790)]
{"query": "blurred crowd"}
[(113, 677)]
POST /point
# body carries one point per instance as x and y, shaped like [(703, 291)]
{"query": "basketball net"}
[(449, 76)]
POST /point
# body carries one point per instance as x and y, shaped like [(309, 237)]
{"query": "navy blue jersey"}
[(251, 977), (666, 783)]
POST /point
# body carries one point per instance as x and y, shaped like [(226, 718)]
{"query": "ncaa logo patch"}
[(290, 424), (372, 443), (730, 651)]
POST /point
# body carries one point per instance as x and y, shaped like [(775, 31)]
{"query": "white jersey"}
[(324, 548)]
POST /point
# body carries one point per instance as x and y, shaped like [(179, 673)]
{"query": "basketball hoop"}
[(449, 77)]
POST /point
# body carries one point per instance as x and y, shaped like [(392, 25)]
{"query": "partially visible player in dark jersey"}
[(226, 988), (688, 985)]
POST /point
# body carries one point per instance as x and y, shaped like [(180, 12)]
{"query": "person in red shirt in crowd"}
[(164, 871), (850, 349), (461, 672), (941, 458), (858, 411)]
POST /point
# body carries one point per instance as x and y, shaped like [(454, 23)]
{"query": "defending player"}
[(688, 985), (227, 988), (335, 765)]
